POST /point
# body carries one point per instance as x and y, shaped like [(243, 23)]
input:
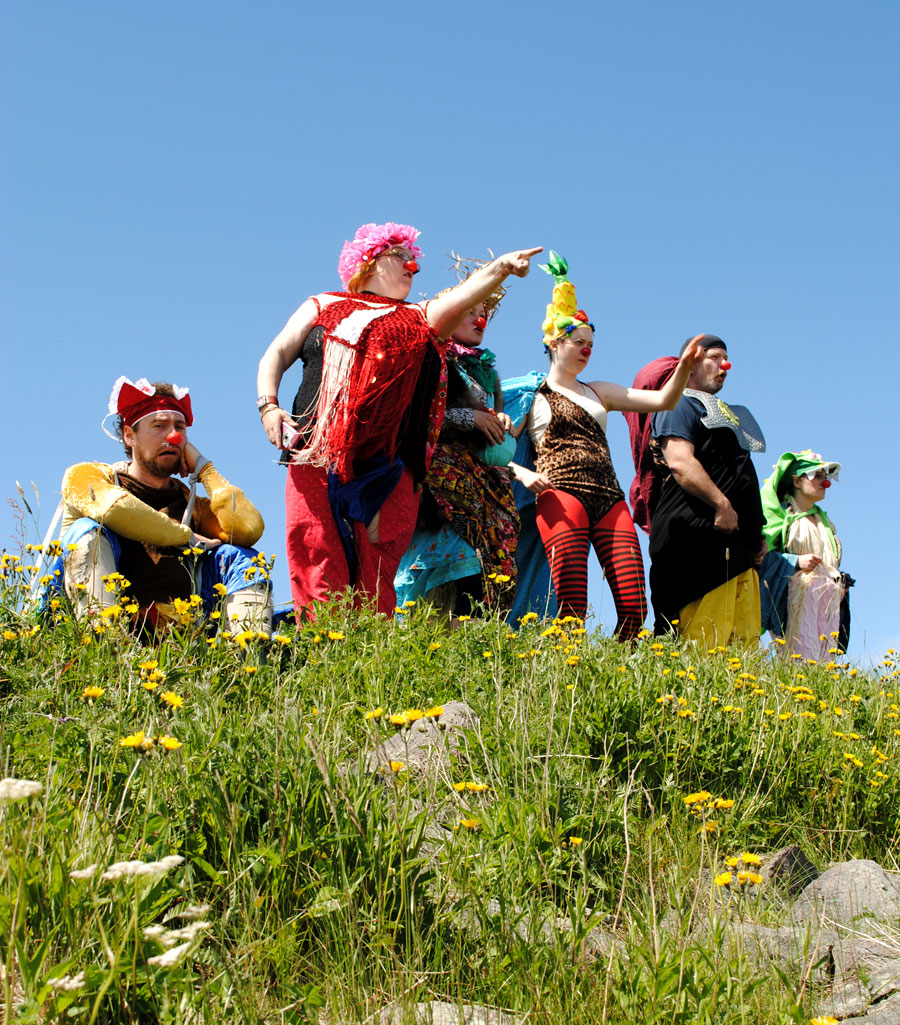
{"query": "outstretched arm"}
[(282, 353), (446, 313), (690, 474), (639, 400)]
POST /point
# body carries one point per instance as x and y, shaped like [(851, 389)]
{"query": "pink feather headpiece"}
[(372, 239)]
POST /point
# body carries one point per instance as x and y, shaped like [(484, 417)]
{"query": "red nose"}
[(481, 323), (411, 266), (586, 352), (725, 365), (175, 438), (826, 483)]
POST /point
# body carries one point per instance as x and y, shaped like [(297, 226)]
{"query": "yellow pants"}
[(729, 613)]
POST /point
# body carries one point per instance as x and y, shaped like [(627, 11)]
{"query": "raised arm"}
[(446, 313), (282, 353), (690, 474), (639, 400)]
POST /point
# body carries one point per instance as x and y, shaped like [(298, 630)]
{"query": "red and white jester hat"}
[(132, 402)]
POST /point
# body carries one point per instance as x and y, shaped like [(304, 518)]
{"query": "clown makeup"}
[(152, 444), (471, 331)]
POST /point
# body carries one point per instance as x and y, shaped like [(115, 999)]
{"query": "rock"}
[(847, 892), (790, 947), (885, 1012), (788, 869), (440, 1012), (426, 746), (866, 970)]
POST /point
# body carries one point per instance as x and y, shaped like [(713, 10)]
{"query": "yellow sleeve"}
[(227, 514), (90, 489)]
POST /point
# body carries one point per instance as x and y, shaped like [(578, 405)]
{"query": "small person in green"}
[(802, 587)]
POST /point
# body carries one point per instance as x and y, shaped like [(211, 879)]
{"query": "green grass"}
[(327, 885)]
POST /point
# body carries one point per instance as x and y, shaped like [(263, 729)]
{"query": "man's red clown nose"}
[(175, 437), (481, 323), (411, 266), (826, 483), (725, 365)]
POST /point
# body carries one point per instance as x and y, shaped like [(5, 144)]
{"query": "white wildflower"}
[(171, 957), (195, 911), (83, 873), (68, 983), (189, 932), (18, 789), (154, 932), (142, 868)]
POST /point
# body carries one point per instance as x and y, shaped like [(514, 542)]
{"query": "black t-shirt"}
[(689, 558)]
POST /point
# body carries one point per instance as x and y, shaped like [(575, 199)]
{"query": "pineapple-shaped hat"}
[(563, 315)]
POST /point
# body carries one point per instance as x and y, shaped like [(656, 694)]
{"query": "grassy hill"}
[(290, 881)]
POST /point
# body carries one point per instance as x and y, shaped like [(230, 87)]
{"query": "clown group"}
[(409, 465)]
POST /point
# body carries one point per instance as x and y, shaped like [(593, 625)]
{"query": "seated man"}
[(133, 518)]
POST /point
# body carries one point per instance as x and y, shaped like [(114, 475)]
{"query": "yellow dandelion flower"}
[(135, 740), (476, 788), (169, 743), (149, 684), (396, 766), (459, 787), (172, 699), (335, 635), (435, 712), (723, 802), (374, 713), (750, 859), (414, 714), (487, 654), (528, 617), (251, 670), (398, 719), (733, 861), (723, 879), (219, 589), (642, 634), (698, 798), (434, 645), (784, 716), (709, 827), (576, 840), (572, 660), (470, 823), (149, 664), (93, 692)]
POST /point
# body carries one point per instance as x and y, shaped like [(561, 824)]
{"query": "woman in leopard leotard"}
[(580, 503)]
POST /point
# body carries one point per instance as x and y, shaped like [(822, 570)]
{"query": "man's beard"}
[(154, 466), (710, 386)]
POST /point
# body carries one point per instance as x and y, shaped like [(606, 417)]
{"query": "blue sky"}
[(178, 178)]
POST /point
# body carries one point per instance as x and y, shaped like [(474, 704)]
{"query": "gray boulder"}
[(847, 892), (426, 746), (789, 870)]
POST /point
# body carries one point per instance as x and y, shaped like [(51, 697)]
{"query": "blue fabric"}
[(774, 574), (56, 569), (680, 422), (518, 394), (226, 565), (432, 559), (534, 588), (358, 500)]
